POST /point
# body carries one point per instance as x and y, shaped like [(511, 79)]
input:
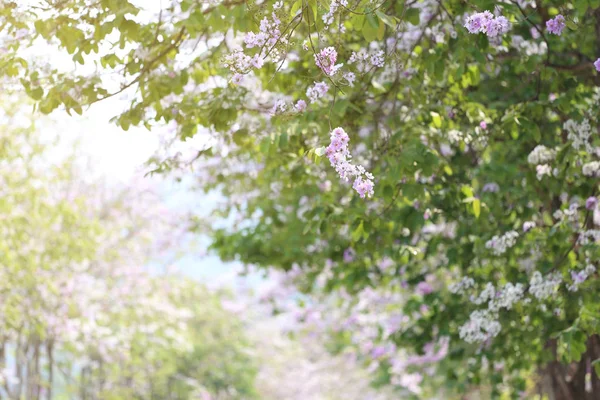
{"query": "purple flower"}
[(317, 91), (340, 158), (597, 65), (427, 214), (423, 288), (378, 352), (478, 22), (237, 79), (363, 187), (498, 26), (300, 106), (491, 187), (326, 59), (485, 22), (556, 25), (349, 254), (591, 203), (385, 263), (578, 277)]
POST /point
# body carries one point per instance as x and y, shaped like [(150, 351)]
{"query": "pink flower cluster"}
[(340, 158), (485, 22), (556, 25), (268, 36), (318, 90), (326, 59)]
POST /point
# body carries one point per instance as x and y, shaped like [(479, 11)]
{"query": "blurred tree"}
[(81, 317)]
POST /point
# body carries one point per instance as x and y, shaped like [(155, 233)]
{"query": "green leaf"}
[(297, 5), (436, 119), (467, 191), (412, 15), (358, 232), (283, 140), (370, 28), (476, 207), (386, 19)]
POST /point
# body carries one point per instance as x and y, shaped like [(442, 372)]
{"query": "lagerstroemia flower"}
[(318, 90), (365, 60), (591, 168), (499, 244), (491, 187), (350, 77), (556, 25), (485, 22), (349, 254), (300, 105), (237, 79), (542, 170), (326, 59), (498, 26), (591, 203), (478, 22), (528, 225), (541, 155), (269, 34), (340, 158), (597, 65), (423, 288), (333, 7)]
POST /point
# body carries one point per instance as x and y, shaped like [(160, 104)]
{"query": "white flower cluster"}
[(542, 288), (365, 60), (507, 297), (589, 236), (486, 294), (456, 136), (571, 213), (481, 326), (591, 168), (528, 225), (477, 139), (579, 134), (541, 155), (543, 169), (462, 285), (529, 47), (499, 244)]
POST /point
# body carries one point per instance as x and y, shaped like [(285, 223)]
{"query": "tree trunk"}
[(575, 381)]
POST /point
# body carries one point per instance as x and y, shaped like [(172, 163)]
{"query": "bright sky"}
[(118, 156)]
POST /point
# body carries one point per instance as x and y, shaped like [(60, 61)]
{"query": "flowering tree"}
[(462, 138)]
